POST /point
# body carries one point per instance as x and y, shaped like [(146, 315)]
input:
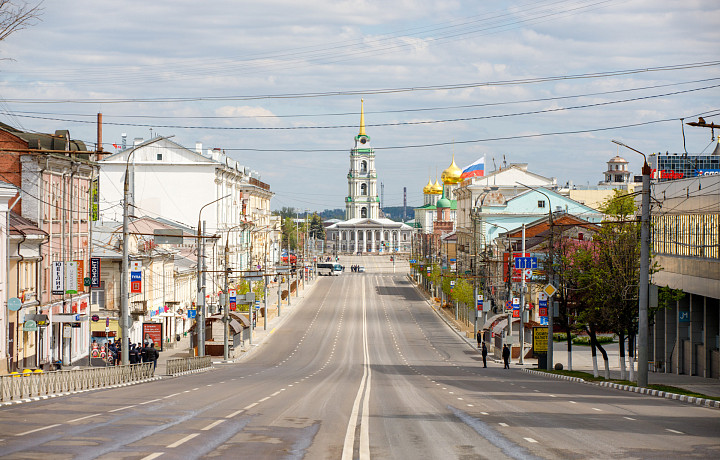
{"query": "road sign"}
[(135, 265), (516, 301), (191, 314), (479, 303), (526, 262), (549, 290), (543, 320), (452, 283), (135, 282), (14, 304)]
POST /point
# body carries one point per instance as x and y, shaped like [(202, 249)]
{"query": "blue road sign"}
[(135, 276), (543, 320), (526, 262), (192, 314)]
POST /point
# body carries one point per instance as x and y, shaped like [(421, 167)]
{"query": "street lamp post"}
[(551, 274), (201, 280), (509, 282), (644, 284)]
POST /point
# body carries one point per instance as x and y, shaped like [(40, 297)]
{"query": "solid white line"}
[(122, 408), (38, 429), (529, 439), (235, 413), (250, 406), (152, 456), (212, 425), (264, 399), (183, 440), (151, 401), (674, 431), (82, 418)]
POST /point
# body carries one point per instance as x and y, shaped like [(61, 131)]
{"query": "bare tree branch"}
[(17, 15)]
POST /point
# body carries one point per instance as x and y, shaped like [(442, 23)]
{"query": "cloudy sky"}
[(278, 83)]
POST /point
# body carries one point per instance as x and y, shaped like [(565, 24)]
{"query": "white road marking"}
[(502, 424), (170, 396), (148, 402), (572, 402), (595, 408), (629, 418), (364, 448), (674, 431), (38, 429), (237, 412), (152, 456), (529, 439), (213, 425), (276, 393), (195, 389), (82, 418), (264, 399), (122, 408), (552, 396), (183, 440), (250, 406)]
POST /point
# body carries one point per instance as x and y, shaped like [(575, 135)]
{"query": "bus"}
[(327, 269)]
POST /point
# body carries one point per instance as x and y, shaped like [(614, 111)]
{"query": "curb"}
[(194, 371), (67, 393), (704, 402)]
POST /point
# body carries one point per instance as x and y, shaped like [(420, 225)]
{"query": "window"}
[(363, 189), (363, 212), (159, 157), (363, 167), (541, 203)]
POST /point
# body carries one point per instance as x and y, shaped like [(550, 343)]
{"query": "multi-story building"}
[(671, 166), (54, 173), (685, 243)]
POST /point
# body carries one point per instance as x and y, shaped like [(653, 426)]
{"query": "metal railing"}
[(14, 387), (178, 365)]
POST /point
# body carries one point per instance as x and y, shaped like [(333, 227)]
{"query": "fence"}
[(178, 365), (13, 387)]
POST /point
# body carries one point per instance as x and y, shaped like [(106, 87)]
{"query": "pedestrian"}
[(479, 338), (506, 356), (153, 355), (484, 354)]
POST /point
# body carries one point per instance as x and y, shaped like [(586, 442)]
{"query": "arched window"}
[(363, 189), (363, 167), (363, 211)]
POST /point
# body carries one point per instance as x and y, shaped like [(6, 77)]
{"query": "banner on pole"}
[(58, 280), (71, 274)]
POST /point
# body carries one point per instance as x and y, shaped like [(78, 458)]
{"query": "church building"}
[(365, 230)]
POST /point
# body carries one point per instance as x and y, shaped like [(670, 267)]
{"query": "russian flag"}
[(476, 169)]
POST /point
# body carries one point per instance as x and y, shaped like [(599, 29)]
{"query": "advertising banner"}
[(95, 272), (58, 278), (71, 275), (154, 333), (135, 282), (80, 284)]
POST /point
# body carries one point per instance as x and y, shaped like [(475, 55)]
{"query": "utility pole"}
[(521, 333), (550, 303), (644, 282), (225, 302)]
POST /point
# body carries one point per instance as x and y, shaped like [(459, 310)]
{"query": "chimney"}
[(124, 140), (198, 148), (137, 141)]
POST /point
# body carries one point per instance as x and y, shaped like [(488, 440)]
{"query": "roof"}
[(20, 225), (360, 221), (60, 140)]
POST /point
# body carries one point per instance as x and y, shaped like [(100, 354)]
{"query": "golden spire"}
[(362, 119)]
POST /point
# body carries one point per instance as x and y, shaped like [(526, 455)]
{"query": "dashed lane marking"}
[(183, 440), (38, 429), (484, 413), (502, 424), (148, 402), (595, 408), (531, 440), (674, 431), (152, 456), (629, 418), (82, 418), (264, 399), (213, 425), (170, 396), (237, 412), (122, 408), (250, 406)]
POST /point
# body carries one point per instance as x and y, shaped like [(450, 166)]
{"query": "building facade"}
[(362, 201)]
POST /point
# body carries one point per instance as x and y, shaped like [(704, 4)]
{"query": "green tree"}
[(317, 229), (289, 233)]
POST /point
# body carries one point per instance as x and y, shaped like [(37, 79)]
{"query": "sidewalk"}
[(582, 358), (182, 348)]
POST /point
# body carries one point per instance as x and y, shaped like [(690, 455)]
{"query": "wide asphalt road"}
[(363, 368)]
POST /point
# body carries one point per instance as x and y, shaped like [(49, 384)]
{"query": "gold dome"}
[(437, 189), (452, 175), (428, 189)]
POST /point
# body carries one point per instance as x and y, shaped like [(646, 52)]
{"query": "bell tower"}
[(362, 200)]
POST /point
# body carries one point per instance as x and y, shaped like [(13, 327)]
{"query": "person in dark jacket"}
[(484, 354), (479, 338), (506, 356), (153, 355)]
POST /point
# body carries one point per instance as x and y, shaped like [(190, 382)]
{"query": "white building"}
[(173, 182), (365, 230)]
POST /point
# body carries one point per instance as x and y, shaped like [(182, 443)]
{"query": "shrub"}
[(562, 336), (585, 340)]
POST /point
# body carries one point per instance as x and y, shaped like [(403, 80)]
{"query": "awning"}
[(492, 319), (498, 328)]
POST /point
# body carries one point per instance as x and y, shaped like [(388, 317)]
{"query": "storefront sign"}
[(58, 279), (95, 272), (71, 277)]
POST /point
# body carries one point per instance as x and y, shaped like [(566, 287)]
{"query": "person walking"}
[(484, 354), (506, 356), (479, 338), (153, 355)]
